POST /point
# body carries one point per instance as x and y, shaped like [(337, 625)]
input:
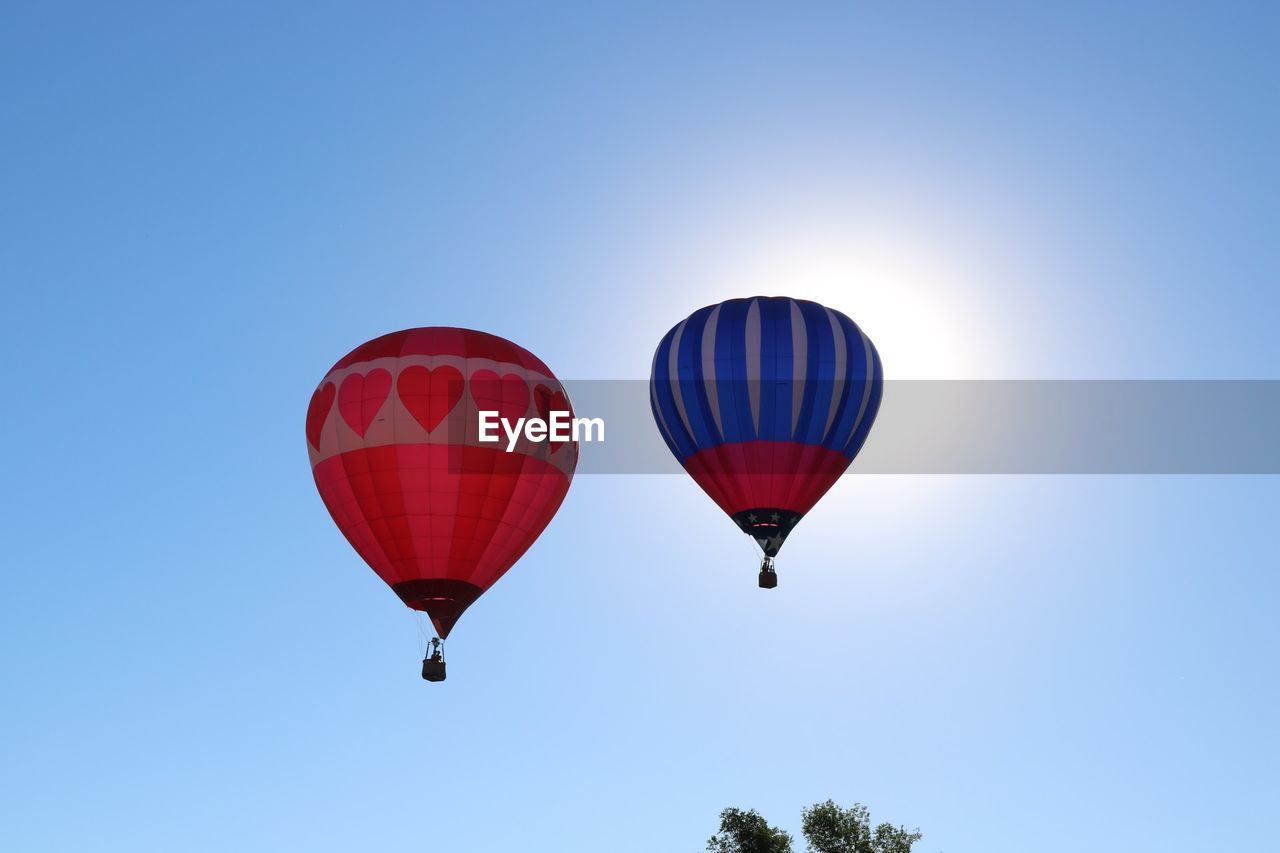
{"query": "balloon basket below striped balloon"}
[(768, 577)]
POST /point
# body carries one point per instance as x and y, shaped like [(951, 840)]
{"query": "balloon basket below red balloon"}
[(768, 577), (433, 663), (433, 670)]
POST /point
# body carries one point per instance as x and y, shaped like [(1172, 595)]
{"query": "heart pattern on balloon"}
[(318, 412), (508, 396), (361, 397), (547, 401), (429, 393)]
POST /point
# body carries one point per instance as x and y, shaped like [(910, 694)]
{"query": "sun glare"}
[(916, 306)]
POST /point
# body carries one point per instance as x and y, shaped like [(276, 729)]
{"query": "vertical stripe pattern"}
[(765, 369)]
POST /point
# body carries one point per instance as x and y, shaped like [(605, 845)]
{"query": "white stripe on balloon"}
[(673, 365), (837, 333), (709, 366), (799, 362), (753, 362), (866, 382)]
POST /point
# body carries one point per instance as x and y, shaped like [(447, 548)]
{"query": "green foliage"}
[(747, 832), (828, 828), (831, 829)]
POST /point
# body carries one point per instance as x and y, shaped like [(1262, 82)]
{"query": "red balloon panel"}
[(439, 515)]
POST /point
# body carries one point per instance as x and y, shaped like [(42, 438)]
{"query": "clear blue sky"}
[(202, 208)]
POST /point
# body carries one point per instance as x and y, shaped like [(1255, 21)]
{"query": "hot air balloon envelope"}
[(765, 402), (393, 437)]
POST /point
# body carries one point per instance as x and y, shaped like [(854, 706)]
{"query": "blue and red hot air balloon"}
[(393, 437), (765, 402)]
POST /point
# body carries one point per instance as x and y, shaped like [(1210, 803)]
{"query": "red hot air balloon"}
[(394, 440)]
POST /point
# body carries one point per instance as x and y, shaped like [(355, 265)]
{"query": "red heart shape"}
[(360, 398), (318, 412), (508, 396), (546, 401), (429, 394)]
